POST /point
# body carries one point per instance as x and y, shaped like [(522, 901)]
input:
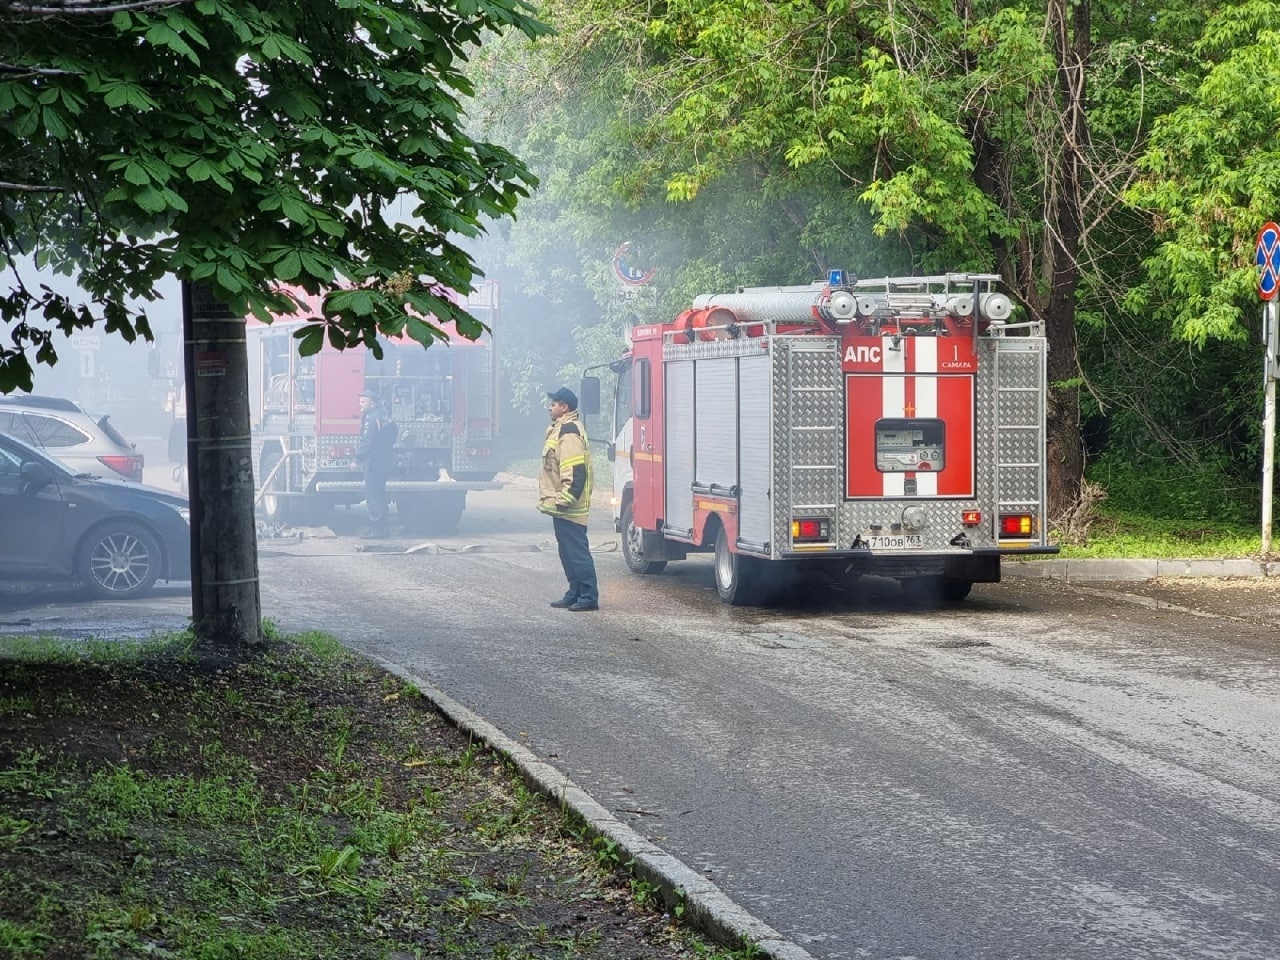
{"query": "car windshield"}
[(15, 453)]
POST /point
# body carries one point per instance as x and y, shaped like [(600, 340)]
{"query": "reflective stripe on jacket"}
[(564, 449)]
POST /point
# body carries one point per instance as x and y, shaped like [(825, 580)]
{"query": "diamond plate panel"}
[(985, 440), (1019, 486), (816, 446), (1020, 368), (1019, 405), (942, 521), (1020, 445), (809, 463)]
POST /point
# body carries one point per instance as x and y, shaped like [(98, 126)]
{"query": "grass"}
[(1127, 535), (159, 800)]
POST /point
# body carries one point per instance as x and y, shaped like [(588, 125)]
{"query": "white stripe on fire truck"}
[(908, 396), (926, 400), (893, 402)]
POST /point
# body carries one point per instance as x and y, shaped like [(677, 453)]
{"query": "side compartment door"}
[(755, 428), (680, 454), (648, 441)]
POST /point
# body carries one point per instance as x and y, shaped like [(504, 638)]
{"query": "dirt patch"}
[(1249, 599)]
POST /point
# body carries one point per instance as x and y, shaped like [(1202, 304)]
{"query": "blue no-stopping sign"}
[(1267, 257)]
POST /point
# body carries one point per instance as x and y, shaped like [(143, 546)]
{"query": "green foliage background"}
[(1112, 160), (242, 146), (741, 142)]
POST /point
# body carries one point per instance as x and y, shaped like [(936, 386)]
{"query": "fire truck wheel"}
[(738, 579), (633, 545), (273, 506), (938, 589)]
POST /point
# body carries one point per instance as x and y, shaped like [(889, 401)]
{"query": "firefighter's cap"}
[(565, 396)]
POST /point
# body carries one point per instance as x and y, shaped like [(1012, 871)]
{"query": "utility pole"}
[(226, 608), (1267, 259), (1272, 339)]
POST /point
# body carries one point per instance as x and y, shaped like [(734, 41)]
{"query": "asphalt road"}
[(1049, 769)]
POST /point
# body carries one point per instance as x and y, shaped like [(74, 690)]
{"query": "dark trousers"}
[(575, 557), (375, 498)]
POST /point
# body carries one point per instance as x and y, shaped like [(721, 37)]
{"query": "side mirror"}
[(589, 396), (35, 477)]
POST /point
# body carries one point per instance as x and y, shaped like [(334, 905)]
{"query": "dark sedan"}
[(116, 538)]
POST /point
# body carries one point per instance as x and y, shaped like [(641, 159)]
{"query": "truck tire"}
[(278, 506), (633, 545), (954, 590), (937, 589), (273, 504), (738, 579), (431, 514)]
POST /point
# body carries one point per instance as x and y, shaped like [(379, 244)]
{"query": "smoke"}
[(109, 376)]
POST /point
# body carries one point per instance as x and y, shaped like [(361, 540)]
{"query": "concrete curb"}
[(1138, 569), (706, 907)]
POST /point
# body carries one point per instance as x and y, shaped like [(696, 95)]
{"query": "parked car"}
[(62, 429), (116, 538)]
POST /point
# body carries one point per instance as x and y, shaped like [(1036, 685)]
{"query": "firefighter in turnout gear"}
[(564, 492)]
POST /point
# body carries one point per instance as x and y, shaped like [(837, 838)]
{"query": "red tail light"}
[(129, 467), (809, 529), (1015, 525), (971, 518)]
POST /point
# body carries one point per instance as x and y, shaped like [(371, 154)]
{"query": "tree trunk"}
[(1064, 224), (225, 602), (1065, 444)]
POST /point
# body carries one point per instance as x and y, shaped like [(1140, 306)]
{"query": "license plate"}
[(906, 542)]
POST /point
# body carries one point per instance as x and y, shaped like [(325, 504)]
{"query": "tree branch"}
[(29, 188), (37, 71), (57, 8)]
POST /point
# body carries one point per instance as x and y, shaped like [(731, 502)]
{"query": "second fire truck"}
[(306, 421), (893, 427)]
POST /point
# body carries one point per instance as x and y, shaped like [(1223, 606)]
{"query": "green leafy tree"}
[(1211, 178), (239, 145), (969, 135)]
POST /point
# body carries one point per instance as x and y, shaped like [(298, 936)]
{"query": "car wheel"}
[(118, 561), (633, 545)]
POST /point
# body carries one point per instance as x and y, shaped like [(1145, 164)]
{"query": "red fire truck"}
[(306, 421), (892, 427)]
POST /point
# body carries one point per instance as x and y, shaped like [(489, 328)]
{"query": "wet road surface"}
[(1046, 770)]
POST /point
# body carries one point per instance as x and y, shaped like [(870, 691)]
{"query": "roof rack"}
[(44, 403)]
